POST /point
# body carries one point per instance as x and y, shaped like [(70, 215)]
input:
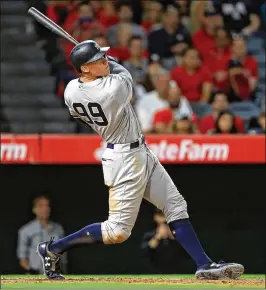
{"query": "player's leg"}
[(126, 176), (162, 192)]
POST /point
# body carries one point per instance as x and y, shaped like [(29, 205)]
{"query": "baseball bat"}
[(48, 23)]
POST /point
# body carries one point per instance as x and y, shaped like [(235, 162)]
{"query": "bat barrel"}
[(49, 24)]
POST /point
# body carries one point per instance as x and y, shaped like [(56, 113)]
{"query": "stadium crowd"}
[(190, 60)]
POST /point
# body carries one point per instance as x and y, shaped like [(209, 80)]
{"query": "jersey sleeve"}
[(119, 83), (71, 111)]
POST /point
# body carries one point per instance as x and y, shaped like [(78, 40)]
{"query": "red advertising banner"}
[(88, 149), (20, 149)]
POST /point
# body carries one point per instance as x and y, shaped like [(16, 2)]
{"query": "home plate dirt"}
[(257, 282)]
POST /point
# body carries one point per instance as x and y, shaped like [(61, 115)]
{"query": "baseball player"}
[(101, 99)]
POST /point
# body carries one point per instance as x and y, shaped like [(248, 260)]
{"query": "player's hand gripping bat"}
[(48, 23)]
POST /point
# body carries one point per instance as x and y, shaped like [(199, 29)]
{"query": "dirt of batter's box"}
[(141, 280)]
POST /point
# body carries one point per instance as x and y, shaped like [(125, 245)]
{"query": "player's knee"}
[(114, 234), (120, 237)]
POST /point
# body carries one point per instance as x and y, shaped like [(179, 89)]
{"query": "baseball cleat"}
[(220, 271), (50, 261)]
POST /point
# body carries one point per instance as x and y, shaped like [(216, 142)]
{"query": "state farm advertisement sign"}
[(19, 149), (88, 149)]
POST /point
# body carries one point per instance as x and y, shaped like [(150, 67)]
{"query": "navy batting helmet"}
[(86, 52)]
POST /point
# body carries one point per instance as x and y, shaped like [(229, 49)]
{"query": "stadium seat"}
[(54, 114), (200, 109), (58, 127), (245, 110), (26, 128), (23, 100), (13, 20), (13, 7), (255, 45), (22, 53), (25, 84), (20, 115), (39, 68)]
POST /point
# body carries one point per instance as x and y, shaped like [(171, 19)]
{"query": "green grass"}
[(103, 285)]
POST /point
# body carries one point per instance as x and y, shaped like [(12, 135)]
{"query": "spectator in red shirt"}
[(194, 80), (107, 15), (86, 26), (152, 15), (225, 124), (178, 107), (219, 103), (217, 58), (121, 50), (57, 11), (203, 39), (243, 72)]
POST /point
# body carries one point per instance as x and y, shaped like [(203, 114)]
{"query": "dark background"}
[(225, 203)]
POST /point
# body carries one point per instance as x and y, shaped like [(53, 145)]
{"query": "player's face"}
[(99, 68), (226, 123), (220, 103), (191, 59), (42, 209)]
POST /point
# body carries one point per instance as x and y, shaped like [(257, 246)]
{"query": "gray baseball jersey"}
[(131, 172), (104, 104)]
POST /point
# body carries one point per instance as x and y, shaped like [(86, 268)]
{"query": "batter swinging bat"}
[(48, 23)]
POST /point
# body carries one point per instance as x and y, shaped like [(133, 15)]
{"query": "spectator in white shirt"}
[(153, 101), (178, 107)]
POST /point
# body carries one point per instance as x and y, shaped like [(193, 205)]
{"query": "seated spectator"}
[(217, 58), (243, 72), (86, 26), (101, 40), (203, 39), (58, 11), (183, 125), (73, 14), (152, 15), (225, 124), (159, 248), (107, 15), (193, 79), (153, 101), (121, 51), (125, 15), (171, 39), (178, 107), (238, 15), (35, 231), (137, 64), (154, 70), (258, 125), (219, 103)]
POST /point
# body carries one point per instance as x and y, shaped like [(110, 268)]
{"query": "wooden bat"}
[(48, 23)]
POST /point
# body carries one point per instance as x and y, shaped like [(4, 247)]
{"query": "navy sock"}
[(88, 235), (186, 236)]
